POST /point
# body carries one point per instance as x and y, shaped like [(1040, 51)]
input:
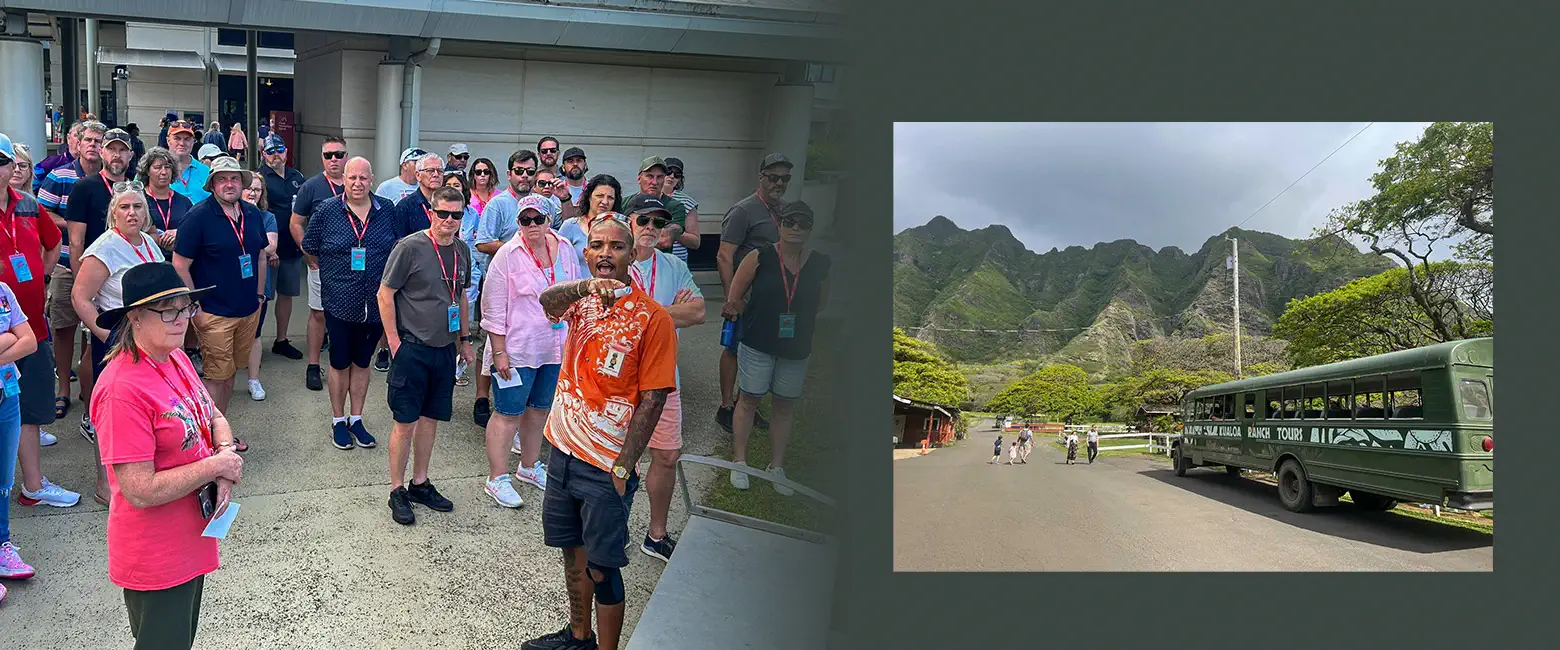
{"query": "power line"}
[(1302, 176)]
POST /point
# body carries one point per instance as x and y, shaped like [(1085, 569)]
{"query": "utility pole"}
[(1235, 265)]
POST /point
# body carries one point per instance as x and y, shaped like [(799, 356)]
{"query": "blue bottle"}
[(728, 331)]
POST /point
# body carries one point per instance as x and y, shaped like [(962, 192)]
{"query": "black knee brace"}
[(609, 589)]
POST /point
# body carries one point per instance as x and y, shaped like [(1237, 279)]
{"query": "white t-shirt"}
[(396, 189), (1072, 438), (118, 255), (1094, 436)]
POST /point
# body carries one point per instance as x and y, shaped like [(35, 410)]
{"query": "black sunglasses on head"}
[(660, 222), (533, 221), (523, 171), (799, 224), (334, 155)]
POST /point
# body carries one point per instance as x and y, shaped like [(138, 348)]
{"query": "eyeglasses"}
[(129, 186), (523, 171), (431, 169), (778, 178), (533, 221), (660, 222), (449, 214), (333, 155), (799, 224), (552, 150), (173, 315)]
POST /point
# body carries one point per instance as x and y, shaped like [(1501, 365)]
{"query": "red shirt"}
[(23, 230), (139, 418)]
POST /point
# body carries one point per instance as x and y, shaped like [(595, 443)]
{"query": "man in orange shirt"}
[(619, 365)]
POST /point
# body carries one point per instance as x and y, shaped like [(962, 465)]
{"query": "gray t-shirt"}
[(423, 287), (749, 225)]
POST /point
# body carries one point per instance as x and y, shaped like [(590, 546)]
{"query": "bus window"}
[(1275, 405), (1369, 400), (1251, 406), (1313, 403), (1228, 404), (1475, 399), (1338, 396), (1291, 402), (1403, 394)]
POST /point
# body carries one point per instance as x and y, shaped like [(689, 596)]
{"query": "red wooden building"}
[(916, 421)]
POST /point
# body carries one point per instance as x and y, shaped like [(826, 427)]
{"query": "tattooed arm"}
[(646, 416), (557, 298)]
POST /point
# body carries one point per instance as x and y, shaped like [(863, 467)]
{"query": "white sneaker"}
[(515, 448), (536, 475), (504, 492), (738, 479), (52, 495), (779, 472), (256, 391), (87, 430), (46, 439)]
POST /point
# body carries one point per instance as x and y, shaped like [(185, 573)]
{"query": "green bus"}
[(1415, 426)]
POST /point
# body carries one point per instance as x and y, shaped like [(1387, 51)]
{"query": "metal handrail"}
[(744, 520)]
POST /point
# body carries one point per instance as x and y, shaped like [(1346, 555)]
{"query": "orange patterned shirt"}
[(609, 357)]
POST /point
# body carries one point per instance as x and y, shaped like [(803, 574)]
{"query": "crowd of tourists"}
[(139, 279)]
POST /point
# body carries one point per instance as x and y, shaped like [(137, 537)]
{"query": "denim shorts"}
[(759, 374), (581, 508), (536, 389)]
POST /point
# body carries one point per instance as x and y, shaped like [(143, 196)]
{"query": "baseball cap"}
[(775, 159), (274, 144), (6, 147), (535, 202), (573, 152), (643, 203), (459, 148), (180, 126), (797, 209), (117, 135), (653, 161), (207, 150), (412, 153), (674, 163)]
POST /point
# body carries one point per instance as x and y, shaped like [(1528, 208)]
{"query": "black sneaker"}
[(311, 378), (382, 364), (340, 436), (285, 348), (361, 434), (560, 640), (481, 412), (401, 507), (426, 495), (660, 550), (723, 417)]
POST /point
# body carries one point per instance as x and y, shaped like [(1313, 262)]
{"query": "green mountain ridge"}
[(1100, 299)]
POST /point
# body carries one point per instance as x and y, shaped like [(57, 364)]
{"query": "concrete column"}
[(70, 75), (387, 142), (790, 126), (21, 105), (251, 101), (94, 91)]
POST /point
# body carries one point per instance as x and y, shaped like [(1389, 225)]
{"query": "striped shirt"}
[(689, 205)]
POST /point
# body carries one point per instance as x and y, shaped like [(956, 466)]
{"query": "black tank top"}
[(766, 302)]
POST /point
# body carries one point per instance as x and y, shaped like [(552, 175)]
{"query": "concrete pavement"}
[(954, 512), (314, 559)]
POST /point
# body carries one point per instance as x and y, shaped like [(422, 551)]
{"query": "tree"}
[(1382, 314), (922, 373), (1435, 191), (1163, 386), (1060, 391), (1259, 354)]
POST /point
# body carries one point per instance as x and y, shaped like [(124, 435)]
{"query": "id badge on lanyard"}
[(246, 268), (359, 259), (13, 386), (787, 326), (20, 268), (454, 318)]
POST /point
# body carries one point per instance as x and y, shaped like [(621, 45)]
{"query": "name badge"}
[(787, 326), (19, 266), (12, 385), (359, 259), (246, 269), (558, 325), (612, 364), (454, 318)]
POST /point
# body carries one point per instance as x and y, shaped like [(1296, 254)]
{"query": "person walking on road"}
[(1072, 447), (996, 451), (1094, 443), (1025, 445)]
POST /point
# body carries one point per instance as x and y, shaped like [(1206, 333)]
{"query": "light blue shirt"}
[(670, 275), (499, 218), (192, 183)]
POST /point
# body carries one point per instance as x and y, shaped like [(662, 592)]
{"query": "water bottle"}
[(728, 331)]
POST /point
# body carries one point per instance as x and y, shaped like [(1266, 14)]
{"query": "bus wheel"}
[(1293, 489), (1368, 501), (1232, 470), (1182, 463)]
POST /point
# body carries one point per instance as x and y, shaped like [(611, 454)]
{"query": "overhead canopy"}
[(150, 58), (265, 66)]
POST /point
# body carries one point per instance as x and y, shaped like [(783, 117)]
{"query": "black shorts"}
[(422, 382), (581, 507), (351, 344)]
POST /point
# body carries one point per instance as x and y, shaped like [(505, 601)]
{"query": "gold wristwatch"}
[(620, 472)]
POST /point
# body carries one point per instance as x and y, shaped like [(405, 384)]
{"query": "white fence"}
[(1156, 442)]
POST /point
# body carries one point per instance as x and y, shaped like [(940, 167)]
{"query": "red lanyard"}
[(639, 280), (790, 288), (166, 214), (353, 222), (237, 226), (10, 217), (772, 218), (332, 186), (144, 258), (203, 417), (549, 272), (435, 242)]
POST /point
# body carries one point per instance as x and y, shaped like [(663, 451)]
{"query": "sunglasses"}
[(460, 156), (129, 186), (275, 150), (449, 214), (799, 224), (778, 178), (552, 150), (523, 171), (173, 315), (334, 155), (674, 173), (482, 172), (533, 221), (660, 222), (546, 185), (5, 162)]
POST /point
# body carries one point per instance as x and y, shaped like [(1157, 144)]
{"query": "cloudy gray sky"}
[(1162, 184)]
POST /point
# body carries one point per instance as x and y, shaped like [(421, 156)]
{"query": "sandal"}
[(239, 446), (61, 407)]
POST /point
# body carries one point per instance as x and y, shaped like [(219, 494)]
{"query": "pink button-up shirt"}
[(511, 304)]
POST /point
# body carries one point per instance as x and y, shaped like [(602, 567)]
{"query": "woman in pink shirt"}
[(483, 178), (237, 142), (170, 457), (524, 344)]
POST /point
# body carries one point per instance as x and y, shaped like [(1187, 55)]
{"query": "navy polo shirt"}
[(208, 239), (279, 191), (412, 213), (347, 294)]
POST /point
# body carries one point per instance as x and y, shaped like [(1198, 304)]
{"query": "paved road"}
[(314, 559), (953, 512)]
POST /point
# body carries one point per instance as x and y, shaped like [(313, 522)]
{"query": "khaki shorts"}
[(62, 313), (225, 344)]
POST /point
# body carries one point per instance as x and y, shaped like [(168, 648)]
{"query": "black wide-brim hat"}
[(145, 284)]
